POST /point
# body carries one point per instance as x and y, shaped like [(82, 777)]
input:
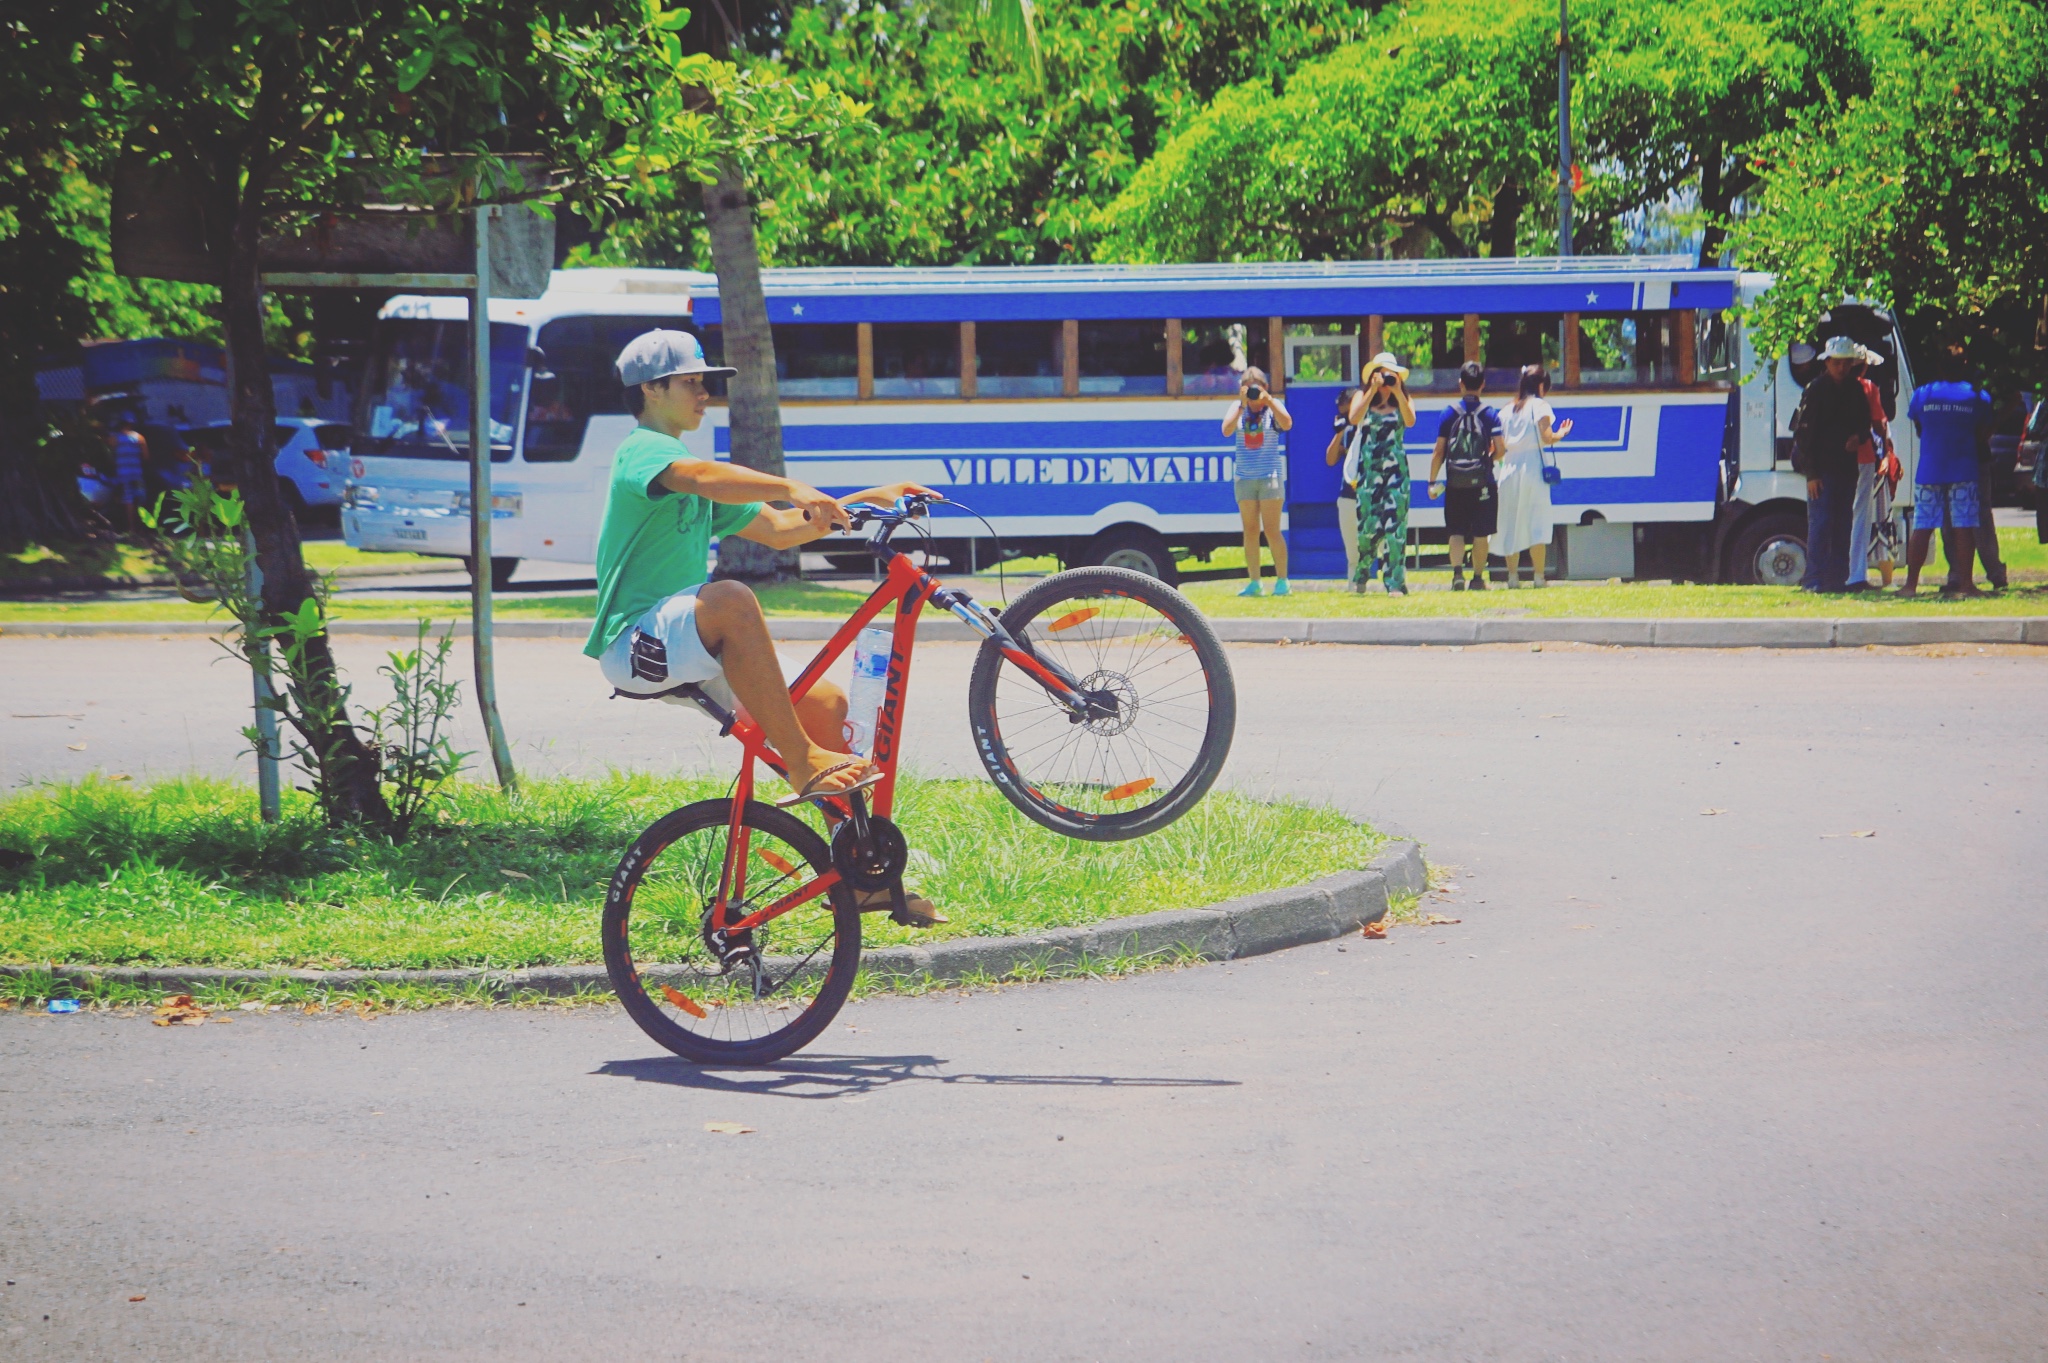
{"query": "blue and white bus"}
[(1078, 408)]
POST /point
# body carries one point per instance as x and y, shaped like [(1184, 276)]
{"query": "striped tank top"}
[(1258, 446)]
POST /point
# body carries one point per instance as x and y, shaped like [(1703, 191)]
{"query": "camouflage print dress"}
[(1383, 500)]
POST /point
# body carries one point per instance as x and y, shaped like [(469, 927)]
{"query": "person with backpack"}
[(1377, 471), (1468, 446)]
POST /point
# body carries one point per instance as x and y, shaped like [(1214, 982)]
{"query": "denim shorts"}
[(1272, 488), (1945, 506)]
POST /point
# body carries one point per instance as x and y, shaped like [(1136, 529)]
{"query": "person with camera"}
[(1528, 427), (1255, 420), (1461, 471), (1377, 474)]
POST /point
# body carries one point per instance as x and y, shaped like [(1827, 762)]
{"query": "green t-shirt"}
[(654, 542)]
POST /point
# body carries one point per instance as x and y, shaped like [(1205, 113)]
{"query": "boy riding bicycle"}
[(660, 623)]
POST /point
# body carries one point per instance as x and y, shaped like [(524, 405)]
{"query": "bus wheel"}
[(1133, 547), (501, 571), (1770, 551)]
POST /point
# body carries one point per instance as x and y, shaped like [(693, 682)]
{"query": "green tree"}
[(268, 106), (1930, 192), (1435, 132)]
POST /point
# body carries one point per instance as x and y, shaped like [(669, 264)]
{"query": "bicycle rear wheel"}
[(1127, 637), (757, 996)]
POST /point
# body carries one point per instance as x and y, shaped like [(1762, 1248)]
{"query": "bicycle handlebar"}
[(907, 508)]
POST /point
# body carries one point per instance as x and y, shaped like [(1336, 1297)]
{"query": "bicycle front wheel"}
[(743, 998), (1137, 764)]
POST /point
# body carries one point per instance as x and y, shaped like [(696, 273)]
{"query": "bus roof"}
[(994, 293)]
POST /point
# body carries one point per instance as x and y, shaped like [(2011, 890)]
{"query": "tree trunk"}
[(349, 767), (1715, 203), (31, 509), (754, 403), (1507, 216)]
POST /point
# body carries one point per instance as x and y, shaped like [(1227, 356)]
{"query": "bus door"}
[(1320, 370)]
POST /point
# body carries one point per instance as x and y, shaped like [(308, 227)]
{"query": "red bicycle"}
[(1101, 704)]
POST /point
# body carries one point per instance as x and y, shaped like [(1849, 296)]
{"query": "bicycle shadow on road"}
[(842, 1076)]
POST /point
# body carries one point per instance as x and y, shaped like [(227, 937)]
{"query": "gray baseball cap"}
[(658, 354)]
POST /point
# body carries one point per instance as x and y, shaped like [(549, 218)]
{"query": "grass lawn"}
[(119, 562), (2026, 560), (183, 873)]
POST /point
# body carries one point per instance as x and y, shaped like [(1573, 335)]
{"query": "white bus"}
[(1077, 407)]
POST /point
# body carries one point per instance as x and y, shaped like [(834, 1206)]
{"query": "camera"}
[(1254, 393)]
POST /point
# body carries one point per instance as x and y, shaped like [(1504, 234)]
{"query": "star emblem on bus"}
[(1592, 296), (796, 309)]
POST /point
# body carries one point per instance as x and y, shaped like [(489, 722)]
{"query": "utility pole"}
[(1564, 128), (480, 508)]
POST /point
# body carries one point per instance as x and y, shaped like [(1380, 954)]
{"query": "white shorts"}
[(672, 653)]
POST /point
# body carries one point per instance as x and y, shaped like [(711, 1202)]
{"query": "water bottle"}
[(870, 680)]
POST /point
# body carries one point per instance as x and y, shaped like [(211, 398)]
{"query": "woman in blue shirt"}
[(1255, 420)]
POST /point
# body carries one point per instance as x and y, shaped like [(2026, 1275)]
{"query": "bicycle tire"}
[(1052, 790), (670, 900)]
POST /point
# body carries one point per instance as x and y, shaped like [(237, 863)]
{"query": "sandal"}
[(811, 791)]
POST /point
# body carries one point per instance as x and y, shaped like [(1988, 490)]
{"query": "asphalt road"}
[(1681, 1085)]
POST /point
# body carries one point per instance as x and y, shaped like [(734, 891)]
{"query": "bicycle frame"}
[(909, 588)]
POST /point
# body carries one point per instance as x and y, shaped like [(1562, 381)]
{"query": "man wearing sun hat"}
[(1833, 417), (660, 624)]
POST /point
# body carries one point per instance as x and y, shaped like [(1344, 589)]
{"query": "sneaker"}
[(1250, 589), (1478, 582), (1280, 587), (1457, 582)]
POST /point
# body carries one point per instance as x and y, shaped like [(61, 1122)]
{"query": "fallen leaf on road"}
[(179, 1011), (1859, 833), (1582, 927), (728, 1129), (143, 1297), (1711, 810), (120, 776), (1374, 931), (515, 875), (76, 747), (1436, 918)]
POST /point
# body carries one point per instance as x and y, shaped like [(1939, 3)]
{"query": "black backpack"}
[(1468, 450)]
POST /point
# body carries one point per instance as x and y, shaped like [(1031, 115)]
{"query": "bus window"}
[(578, 381), (917, 360), (1215, 351), (1716, 349), (1017, 359), (1624, 350), (1432, 347), (817, 360), (415, 399), (1123, 357), (1508, 343), (1320, 348)]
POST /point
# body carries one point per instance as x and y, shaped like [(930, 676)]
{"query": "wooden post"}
[(864, 357), (1471, 337), (1276, 352), (1571, 350), (969, 385), (1375, 337), (1070, 358), (1173, 360), (1688, 359)]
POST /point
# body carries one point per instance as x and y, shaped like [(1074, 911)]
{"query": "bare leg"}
[(730, 623), (1457, 557), (1538, 554), (1917, 545), (1479, 556), (1269, 517), (1960, 547), (1248, 512)]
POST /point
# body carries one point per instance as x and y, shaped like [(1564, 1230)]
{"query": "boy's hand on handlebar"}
[(819, 509), (890, 493)]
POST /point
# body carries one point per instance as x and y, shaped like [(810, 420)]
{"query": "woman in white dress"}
[(1527, 427)]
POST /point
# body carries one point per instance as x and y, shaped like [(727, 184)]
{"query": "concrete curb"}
[(1251, 926), (1446, 632)]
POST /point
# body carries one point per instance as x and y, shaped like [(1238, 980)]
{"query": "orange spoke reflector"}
[(1130, 788), (682, 1001), (1073, 618), (780, 863)]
